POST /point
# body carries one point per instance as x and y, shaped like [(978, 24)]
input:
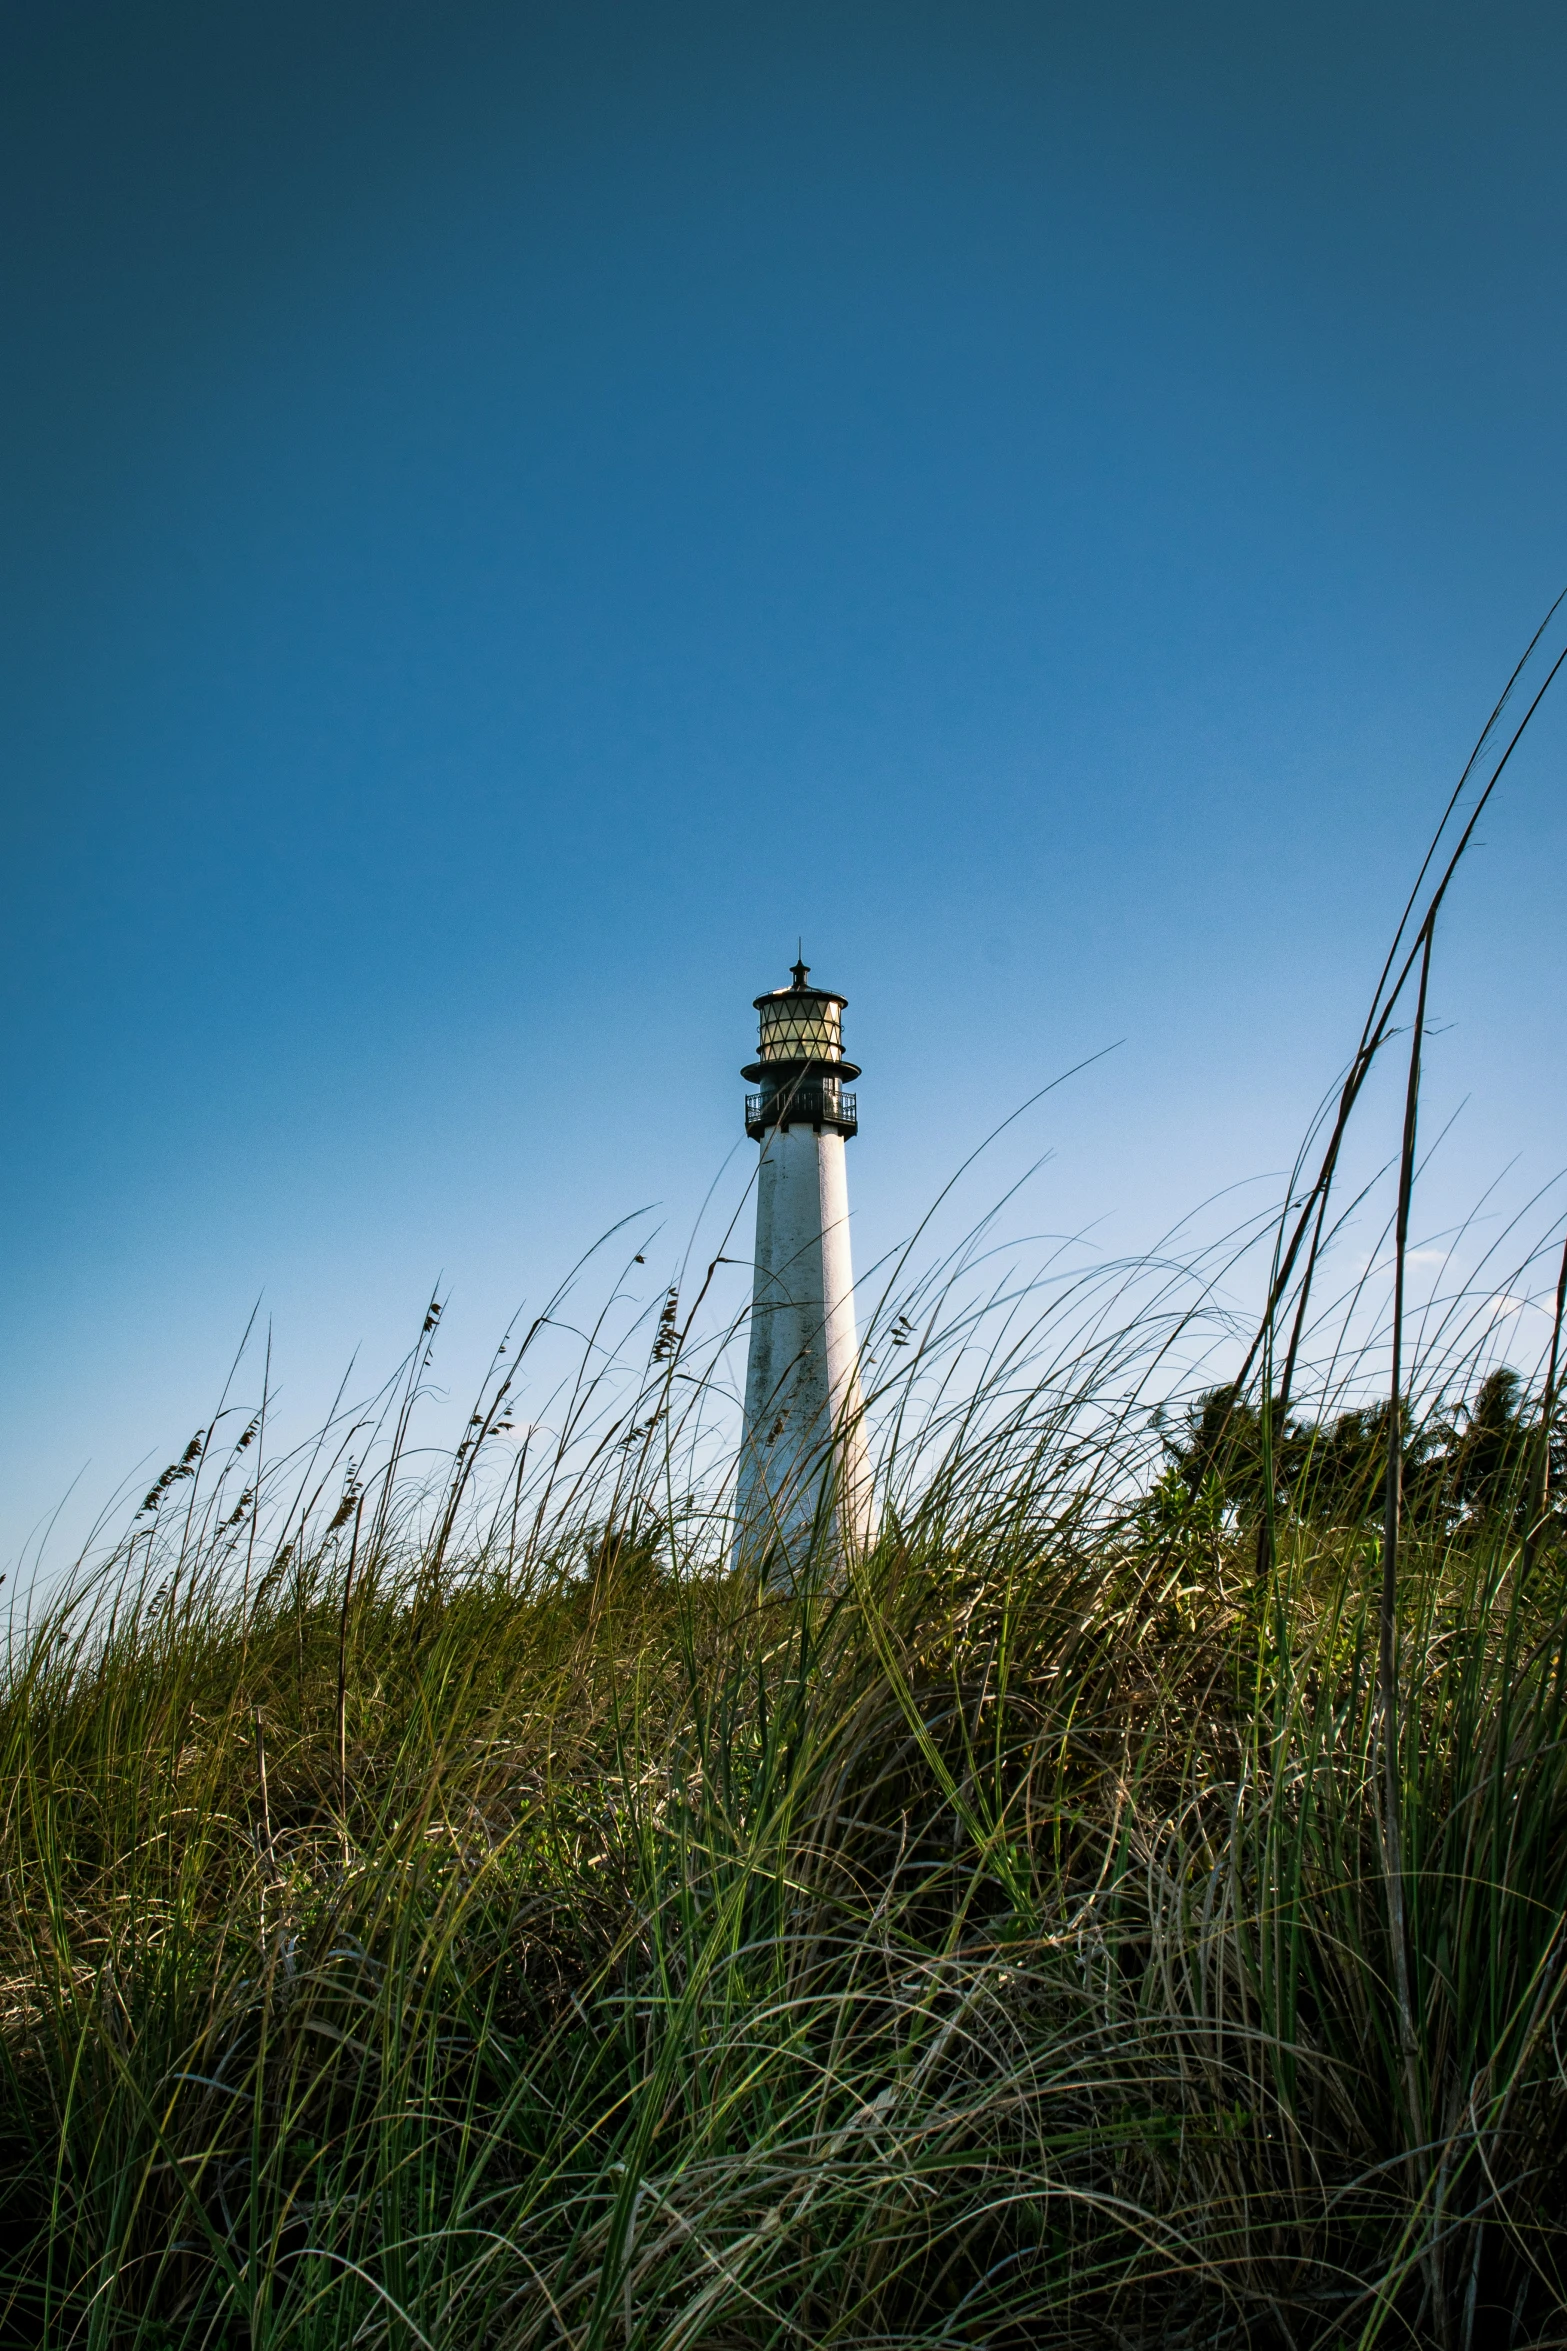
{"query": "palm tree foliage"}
[(1461, 1463)]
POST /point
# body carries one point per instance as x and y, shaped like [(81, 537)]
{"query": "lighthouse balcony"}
[(808, 1104)]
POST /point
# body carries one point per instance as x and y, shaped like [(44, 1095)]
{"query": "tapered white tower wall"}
[(803, 1488)]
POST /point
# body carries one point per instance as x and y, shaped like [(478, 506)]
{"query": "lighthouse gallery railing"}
[(804, 1105)]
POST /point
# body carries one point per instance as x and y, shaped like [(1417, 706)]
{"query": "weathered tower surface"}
[(803, 1487)]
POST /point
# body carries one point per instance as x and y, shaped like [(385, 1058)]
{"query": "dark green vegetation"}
[(1125, 1908), (1481, 1462)]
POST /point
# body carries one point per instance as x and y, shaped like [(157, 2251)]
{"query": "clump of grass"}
[(1125, 1906), (991, 1944)]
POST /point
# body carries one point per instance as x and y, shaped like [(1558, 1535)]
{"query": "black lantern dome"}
[(800, 1065)]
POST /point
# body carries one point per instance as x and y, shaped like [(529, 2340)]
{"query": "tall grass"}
[(454, 1908), (992, 1943)]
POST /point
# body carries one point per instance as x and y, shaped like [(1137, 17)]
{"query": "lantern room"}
[(800, 1060), (800, 1026)]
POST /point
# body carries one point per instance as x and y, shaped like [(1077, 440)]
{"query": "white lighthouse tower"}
[(803, 1488)]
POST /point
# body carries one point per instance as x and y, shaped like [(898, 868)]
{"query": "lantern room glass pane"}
[(801, 1028)]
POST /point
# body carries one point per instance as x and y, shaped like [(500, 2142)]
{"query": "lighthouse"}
[(803, 1488)]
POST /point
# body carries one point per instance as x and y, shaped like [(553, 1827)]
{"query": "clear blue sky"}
[(513, 514)]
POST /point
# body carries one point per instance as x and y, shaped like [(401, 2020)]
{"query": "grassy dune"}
[(992, 1949)]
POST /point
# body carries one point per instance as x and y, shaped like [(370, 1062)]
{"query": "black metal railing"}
[(805, 1105)]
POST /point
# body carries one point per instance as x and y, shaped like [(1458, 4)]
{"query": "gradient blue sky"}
[(514, 513)]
